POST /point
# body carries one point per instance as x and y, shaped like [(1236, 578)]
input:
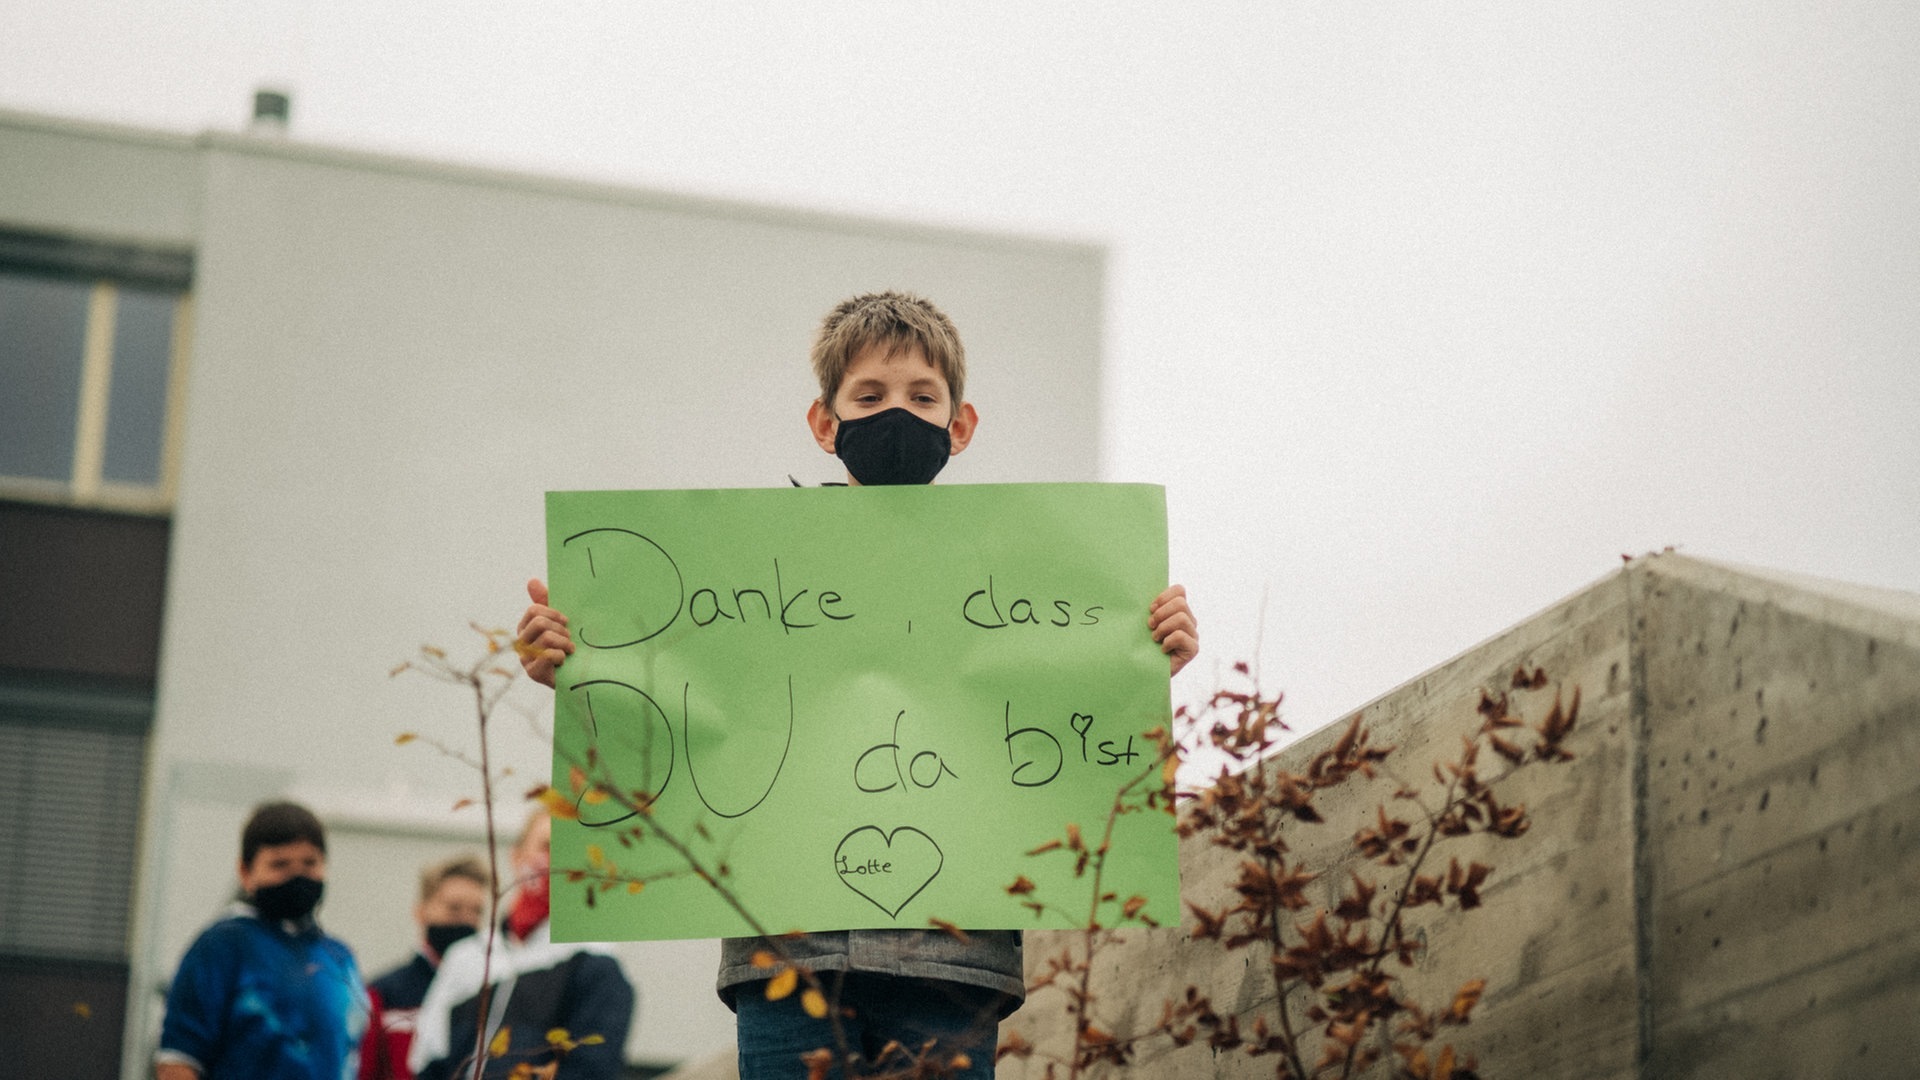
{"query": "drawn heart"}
[(889, 869)]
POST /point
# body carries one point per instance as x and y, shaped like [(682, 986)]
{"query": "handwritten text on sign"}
[(874, 701)]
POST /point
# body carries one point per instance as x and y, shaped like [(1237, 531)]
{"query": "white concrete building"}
[(273, 415)]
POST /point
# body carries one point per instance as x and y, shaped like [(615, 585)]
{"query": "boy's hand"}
[(1173, 627), (544, 642)]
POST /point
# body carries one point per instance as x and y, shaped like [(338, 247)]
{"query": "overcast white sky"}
[(1425, 313)]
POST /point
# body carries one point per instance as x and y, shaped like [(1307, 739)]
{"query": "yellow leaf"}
[(522, 1071), (558, 1036), (1465, 999), (816, 1004), (593, 1040), (595, 796), (782, 984), (595, 856), (576, 777), (557, 804), (634, 887), (501, 1040), (83, 1010), (404, 738), (763, 959)]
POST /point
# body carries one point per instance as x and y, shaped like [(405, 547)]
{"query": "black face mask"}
[(441, 936), (893, 447), (290, 901)]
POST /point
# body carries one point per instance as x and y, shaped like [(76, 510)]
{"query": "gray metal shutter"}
[(70, 773)]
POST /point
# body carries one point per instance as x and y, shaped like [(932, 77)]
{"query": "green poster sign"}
[(867, 704)]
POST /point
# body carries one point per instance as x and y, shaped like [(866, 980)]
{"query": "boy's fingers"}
[(540, 658), (1169, 603), (540, 668), (550, 640), (1181, 649), (1174, 628), (1178, 610), (534, 621), (543, 636), (1181, 623), (539, 611)]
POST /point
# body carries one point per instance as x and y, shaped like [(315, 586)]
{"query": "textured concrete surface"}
[(1782, 826), (1721, 884)]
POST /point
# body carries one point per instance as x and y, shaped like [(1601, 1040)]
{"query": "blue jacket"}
[(259, 1001)]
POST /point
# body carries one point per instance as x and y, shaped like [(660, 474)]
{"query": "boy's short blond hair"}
[(460, 866), (896, 322)]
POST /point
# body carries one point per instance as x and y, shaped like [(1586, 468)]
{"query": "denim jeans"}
[(956, 1018)]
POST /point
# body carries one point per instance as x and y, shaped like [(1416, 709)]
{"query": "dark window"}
[(43, 333), (137, 404), (87, 361)]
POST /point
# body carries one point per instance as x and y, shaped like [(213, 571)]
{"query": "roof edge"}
[(1880, 612)]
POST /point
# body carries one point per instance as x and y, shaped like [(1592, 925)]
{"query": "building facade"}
[(273, 415)]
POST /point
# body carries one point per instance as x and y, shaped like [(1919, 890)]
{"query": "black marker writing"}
[(1081, 723), (889, 869), (982, 609), (614, 743), (1038, 746), (923, 770), (647, 577), (685, 724), (650, 573)]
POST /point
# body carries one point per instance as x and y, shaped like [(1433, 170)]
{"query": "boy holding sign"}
[(892, 374)]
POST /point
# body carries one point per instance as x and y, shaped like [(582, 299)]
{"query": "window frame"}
[(107, 267)]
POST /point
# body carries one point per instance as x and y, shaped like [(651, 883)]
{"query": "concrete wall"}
[(1782, 827), (391, 360), (1719, 885)]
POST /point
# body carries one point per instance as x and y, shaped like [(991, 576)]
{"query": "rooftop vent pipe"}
[(271, 111)]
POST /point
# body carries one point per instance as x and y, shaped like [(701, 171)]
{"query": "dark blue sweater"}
[(252, 1001)]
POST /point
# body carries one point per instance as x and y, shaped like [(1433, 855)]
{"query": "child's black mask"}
[(442, 936), (892, 447), (291, 900)]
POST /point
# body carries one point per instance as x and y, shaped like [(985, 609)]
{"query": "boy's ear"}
[(820, 421), (965, 421)]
